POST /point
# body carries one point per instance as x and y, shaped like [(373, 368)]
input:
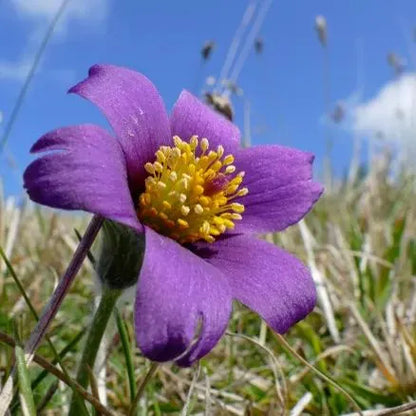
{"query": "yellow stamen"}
[(205, 180)]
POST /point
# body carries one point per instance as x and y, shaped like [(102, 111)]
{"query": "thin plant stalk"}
[(320, 373), (64, 285), (96, 332), (125, 342), (47, 397), (188, 403), (249, 41), (25, 392), (141, 388), (29, 304), (31, 73), (57, 360), (232, 51), (50, 368), (326, 87), (58, 356)]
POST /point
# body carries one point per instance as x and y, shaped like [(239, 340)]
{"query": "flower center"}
[(189, 192)]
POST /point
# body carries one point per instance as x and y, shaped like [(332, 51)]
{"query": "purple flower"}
[(198, 198)]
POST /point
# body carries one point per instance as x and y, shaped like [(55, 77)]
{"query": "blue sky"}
[(162, 39)]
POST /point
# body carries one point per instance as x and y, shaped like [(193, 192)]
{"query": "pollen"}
[(190, 191)]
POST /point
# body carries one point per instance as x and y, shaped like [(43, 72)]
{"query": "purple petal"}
[(191, 117), (86, 170), (176, 293), (281, 190), (264, 277), (134, 109)]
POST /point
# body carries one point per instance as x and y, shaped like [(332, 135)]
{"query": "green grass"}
[(359, 240)]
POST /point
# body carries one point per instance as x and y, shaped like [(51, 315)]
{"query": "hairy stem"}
[(65, 283)]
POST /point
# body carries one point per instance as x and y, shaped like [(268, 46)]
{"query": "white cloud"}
[(391, 114), (14, 71), (18, 71), (390, 117), (40, 13), (82, 10)]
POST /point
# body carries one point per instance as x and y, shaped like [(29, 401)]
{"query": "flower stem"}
[(64, 284), (96, 332)]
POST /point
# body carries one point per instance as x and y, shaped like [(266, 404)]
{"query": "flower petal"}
[(264, 277), (281, 190), (191, 117), (134, 109), (177, 292), (86, 170)]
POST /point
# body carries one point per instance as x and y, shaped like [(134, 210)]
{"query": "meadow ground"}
[(357, 346)]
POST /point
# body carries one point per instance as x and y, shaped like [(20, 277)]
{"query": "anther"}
[(239, 208), (194, 141), (182, 223), (205, 227), (161, 185), (204, 145), (158, 167), (177, 140), (228, 160), (198, 209), (160, 156), (199, 190), (230, 169), (185, 210), (149, 168), (166, 205)]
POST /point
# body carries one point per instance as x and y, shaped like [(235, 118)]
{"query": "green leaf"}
[(369, 394), (25, 392), (128, 356)]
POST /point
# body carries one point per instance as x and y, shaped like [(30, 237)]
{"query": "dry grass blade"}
[(153, 368), (318, 372), (280, 392), (387, 368), (61, 376), (322, 291), (398, 410), (301, 404), (188, 401), (94, 387)]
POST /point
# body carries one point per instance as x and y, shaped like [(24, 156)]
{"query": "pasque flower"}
[(198, 198)]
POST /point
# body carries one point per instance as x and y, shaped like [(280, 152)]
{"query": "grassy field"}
[(355, 354), (358, 345)]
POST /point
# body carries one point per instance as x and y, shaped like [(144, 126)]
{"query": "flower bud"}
[(121, 255)]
